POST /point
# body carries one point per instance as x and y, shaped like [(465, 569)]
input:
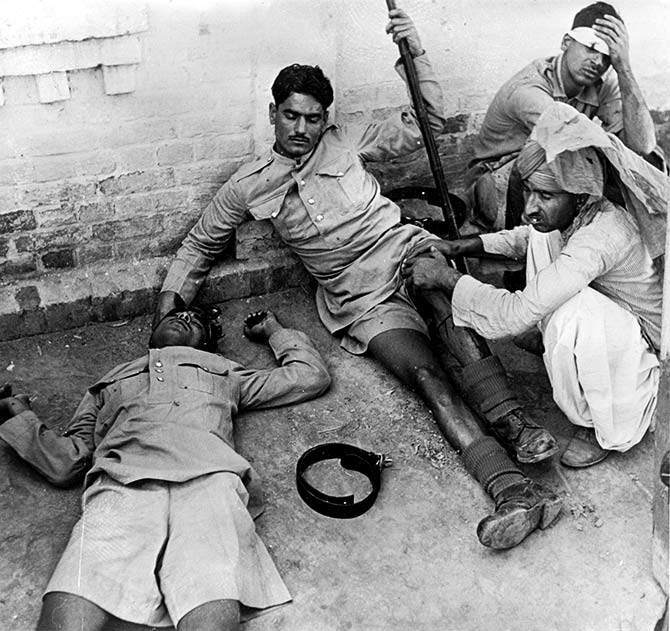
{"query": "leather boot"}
[(520, 509), (583, 450), (530, 443)]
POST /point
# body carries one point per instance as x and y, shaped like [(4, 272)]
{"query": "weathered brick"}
[(17, 220), (127, 228), (59, 258), (135, 158), (19, 266), (4, 247), (44, 239), (133, 205), (92, 252), (95, 211), (138, 182), (174, 153), (98, 164), (28, 298), (177, 199), (257, 239), (55, 216)]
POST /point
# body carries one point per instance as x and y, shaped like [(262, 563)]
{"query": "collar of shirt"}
[(588, 95)]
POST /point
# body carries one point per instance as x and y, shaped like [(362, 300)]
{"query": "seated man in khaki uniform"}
[(594, 75), (167, 534), (314, 188)]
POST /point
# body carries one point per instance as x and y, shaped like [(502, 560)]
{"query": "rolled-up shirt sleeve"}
[(302, 375), (496, 313), (400, 134)]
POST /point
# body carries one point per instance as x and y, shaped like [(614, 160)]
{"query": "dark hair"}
[(588, 15), (302, 80)]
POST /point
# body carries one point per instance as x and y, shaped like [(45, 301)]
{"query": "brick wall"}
[(120, 123)]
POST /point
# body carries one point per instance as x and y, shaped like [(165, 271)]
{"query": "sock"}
[(490, 465), (487, 387)]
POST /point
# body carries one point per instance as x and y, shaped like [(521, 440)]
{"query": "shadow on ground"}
[(413, 561)]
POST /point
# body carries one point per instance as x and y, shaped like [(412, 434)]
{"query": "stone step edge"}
[(122, 290)]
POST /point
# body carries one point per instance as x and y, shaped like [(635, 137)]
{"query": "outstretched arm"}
[(638, 127), (302, 374), (206, 242), (61, 459)]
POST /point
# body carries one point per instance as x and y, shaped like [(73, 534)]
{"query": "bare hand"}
[(614, 33), (260, 325), (13, 406), (167, 301), (401, 27), (449, 249), (430, 271)]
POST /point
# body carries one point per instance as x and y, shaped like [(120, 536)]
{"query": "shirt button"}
[(319, 217), (159, 378), (310, 201), (340, 174), (159, 370), (158, 363), (302, 182)]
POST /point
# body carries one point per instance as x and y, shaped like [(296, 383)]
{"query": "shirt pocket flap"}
[(337, 167), (267, 208)]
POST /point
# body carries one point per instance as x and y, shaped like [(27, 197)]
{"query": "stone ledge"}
[(116, 291)]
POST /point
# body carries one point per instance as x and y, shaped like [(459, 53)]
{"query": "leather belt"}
[(368, 463)]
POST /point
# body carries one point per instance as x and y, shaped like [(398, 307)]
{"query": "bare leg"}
[(407, 354), (486, 385), (218, 615), (67, 612), (521, 505)]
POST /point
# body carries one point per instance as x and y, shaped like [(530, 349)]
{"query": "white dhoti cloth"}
[(602, 371)]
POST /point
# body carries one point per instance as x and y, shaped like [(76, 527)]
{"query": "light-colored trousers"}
[(602, 371)]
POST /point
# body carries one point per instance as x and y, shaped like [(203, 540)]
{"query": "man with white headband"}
[(592, 288), (580, 76)]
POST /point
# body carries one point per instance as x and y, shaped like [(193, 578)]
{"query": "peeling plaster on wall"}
[(46, 39)]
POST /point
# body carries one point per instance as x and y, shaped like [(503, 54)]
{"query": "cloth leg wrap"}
[(487, 387), (490, 465)]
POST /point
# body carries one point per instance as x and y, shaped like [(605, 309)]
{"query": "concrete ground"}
[(411, 563)]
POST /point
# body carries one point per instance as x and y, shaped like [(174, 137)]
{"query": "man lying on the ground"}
[(592, 286), (313, 187), (580, 76), (166, 536)]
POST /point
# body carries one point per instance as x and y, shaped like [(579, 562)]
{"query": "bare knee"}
[(63, 612), (218, 615)]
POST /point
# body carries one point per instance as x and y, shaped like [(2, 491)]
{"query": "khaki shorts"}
[(396, 312), (150, 552)]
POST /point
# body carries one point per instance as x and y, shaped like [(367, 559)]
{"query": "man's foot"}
[(583, 450), (520, 509), (260, 325), (530, 443)]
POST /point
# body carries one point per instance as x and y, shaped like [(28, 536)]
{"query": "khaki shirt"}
[(521, 100), (169, 416), (327, 208)]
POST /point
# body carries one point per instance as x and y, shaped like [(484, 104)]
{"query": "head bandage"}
[(588, 37)]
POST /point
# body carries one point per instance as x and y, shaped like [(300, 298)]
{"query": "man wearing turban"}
[(594, 222)]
